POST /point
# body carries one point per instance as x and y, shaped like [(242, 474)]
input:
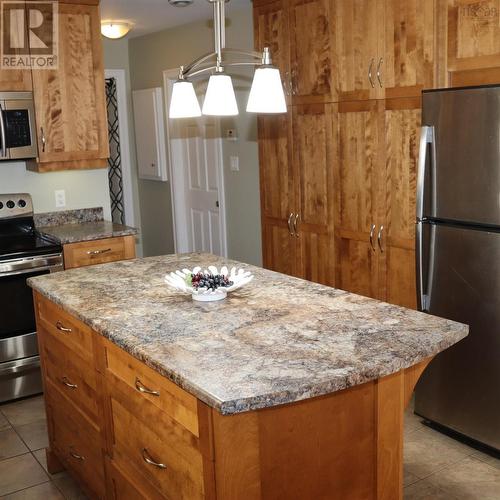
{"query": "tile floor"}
[(436, 466), (23, 468)]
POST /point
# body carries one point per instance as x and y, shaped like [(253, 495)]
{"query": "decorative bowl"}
[(182, 282)]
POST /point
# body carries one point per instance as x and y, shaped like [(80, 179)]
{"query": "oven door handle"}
[(58, 267), (2, 131)]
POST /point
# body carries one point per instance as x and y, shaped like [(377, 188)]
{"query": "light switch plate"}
[(60, 195), (234, 163)]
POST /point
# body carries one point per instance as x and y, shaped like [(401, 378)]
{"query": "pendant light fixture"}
[(266, 93)]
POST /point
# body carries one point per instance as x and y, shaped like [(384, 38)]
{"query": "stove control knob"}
[(21, 203), (1, 205), (10, 204)]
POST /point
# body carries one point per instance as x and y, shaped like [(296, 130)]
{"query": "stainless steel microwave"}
[(17, 126)]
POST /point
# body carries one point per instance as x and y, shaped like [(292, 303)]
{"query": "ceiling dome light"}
[(220, 99), (266, 93), (115, 29), (184, 103)]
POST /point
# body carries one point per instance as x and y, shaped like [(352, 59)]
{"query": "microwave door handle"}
[(426, 138), (3, 154)]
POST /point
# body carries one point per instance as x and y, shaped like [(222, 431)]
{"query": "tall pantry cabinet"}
[(338, 171)]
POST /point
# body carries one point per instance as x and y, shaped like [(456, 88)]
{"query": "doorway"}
[(196, 180)]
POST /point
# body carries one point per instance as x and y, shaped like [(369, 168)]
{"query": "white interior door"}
[(197, 181)]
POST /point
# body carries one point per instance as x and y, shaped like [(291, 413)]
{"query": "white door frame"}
[(176, 164), (123, 131)]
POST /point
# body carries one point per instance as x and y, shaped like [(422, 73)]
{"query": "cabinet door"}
[(408, 57), (271, 30), (70, 105), (313, 153), (357, 33), (402, 132), (310, 51), (473, 42), (13, 28), (277, 193), (358, 175)]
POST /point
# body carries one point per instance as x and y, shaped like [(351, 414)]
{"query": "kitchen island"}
[(286, 389)]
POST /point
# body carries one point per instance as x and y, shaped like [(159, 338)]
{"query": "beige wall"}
[(149, 57), (116, 56)]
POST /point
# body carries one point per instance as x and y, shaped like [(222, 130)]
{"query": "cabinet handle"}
[(295, 230), (44, 141), (142, 388), (98, 252), (379, 78), (290, 230), (379, 238), (372, 232), (62, 328), (147, 458), (76, 456), (67, 383), (370, 68)]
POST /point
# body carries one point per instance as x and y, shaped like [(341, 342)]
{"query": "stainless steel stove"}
[(24, 253)]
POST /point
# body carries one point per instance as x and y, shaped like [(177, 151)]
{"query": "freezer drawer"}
[(463, 180), (461, 270)]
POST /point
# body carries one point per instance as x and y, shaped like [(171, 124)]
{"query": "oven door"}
[(17, 327), (17, 128)]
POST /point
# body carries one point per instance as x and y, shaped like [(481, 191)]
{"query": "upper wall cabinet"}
[(70, 104), (310, 51), (14, 80), (473, 42), (383, 48)]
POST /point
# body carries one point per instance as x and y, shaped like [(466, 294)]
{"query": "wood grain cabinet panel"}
[(311, 26), (88, 253), (408, 55), (70, 105), (357, 25), (14, 79), (473, 42)]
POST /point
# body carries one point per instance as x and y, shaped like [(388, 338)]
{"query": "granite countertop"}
[(277, 340), (72, 226)]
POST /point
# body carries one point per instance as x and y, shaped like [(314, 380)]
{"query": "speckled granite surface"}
[(69, 217), (86, 231), (277, 340)]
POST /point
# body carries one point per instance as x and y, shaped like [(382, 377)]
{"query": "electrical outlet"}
[(234, 163), (60, 195)]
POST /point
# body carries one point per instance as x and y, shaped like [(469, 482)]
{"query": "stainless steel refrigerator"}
[(458, 256)]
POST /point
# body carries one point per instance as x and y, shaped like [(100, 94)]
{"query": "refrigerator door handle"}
[(421, 297), (426, 138)]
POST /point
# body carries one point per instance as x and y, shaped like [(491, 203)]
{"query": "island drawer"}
[(87, 253), (157, 452), (74, 376), (76, 441), (74, 334), (141, 383)]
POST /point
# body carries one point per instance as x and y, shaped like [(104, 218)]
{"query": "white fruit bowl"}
[(178, 281)]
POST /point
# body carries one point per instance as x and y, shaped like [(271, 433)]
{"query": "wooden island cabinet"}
[(343, 162), (125, 432)]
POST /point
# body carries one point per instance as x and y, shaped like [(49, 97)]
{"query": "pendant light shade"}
[(220, 99), (266, 93), (184, 103)]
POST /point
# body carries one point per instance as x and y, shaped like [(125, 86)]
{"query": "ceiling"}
[(149, 16)]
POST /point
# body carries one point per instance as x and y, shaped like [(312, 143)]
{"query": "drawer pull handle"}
[(142, 388), (76, 456), (62, 328), (147, 458), (67, 383), (98, 252)]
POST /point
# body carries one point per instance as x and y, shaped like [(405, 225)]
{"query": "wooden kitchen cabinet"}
[(14, 80), (473, 42), (70, 105), (88, 253)]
